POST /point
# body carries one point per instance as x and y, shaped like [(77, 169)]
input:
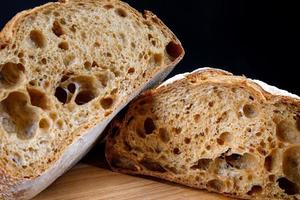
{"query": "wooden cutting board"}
[(92, 180)]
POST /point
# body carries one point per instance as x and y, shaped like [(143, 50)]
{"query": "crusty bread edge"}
[(175, 82), (12, 188)]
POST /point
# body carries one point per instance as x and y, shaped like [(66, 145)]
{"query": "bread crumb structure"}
[(68, 66), (213, 131)]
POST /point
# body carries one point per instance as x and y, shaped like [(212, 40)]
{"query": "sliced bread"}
[(66, 68), (212, 130)]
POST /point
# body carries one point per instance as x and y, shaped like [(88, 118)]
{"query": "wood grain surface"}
[(92, 180)]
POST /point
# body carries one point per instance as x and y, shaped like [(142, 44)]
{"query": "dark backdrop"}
[(256, 38)]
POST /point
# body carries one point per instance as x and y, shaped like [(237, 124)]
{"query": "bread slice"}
[(212, 130), (66, 69)]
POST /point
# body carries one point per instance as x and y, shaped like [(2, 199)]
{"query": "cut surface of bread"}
[(66, 68), (212, 130)]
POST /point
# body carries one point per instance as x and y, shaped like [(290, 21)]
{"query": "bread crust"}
[(15, 188), (199, 77)]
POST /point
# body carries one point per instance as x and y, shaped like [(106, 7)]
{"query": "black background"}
[(259, 39)]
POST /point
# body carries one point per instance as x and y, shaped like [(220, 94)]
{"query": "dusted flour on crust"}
[(268, 88)]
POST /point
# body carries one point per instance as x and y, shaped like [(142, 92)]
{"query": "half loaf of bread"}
[(212, 130), (66, 68)]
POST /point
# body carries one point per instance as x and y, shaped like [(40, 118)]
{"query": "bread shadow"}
[(96, 157)]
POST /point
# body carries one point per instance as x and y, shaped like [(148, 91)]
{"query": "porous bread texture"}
[(64, 68), (212, 130)]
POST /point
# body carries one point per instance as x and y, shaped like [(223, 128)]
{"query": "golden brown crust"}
[(206, 76)]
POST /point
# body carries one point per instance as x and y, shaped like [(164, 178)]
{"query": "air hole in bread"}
[(149, 126), (73, 28), (174, 50), (153, 42), (187, 140), (72, 88), (269, 163), (24, 118), (245, 161), (164, 135), (63, 46), (11, 74), (106, 102), (61, 95), (225, 137), (87, 65), (44, 124), (261, 150), (177, 130), (63, 21), (176, 151), (20, 55), (37, 38), (202, 164), (256, 189), (121, 12), (211, 103), (158, 58), (57, 29), (60, 123), (250, 111), (44, 61), (114, 91), (150, 36), (108, 6), (258, 134), (287, 186), (215, 185), (298, 122), (152, 165), (38, 98), (53, 116), (262, 144), (108, 54), (133, 45), (97, 44), (286, 131), (131, 70), (197, 118), (291, 164), (95, 65), (33, 83), (84, 97)]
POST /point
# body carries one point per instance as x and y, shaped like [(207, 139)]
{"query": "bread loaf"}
[(66, 68), (212, 130)]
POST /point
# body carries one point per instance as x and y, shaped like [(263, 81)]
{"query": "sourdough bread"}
[(212, 130), (66, 68)]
